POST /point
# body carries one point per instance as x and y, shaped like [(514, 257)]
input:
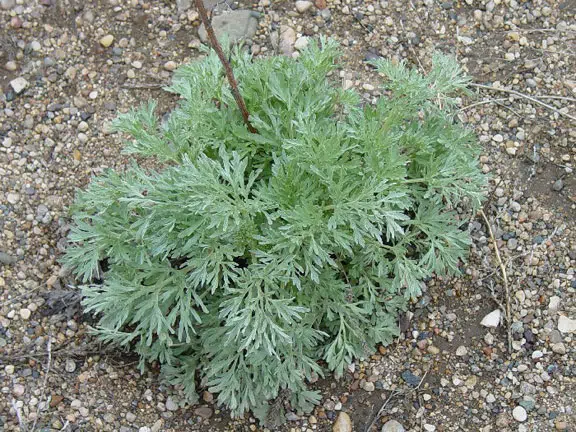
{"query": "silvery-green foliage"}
[(247, 258)]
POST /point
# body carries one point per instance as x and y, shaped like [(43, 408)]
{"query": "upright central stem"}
[(228, 70)]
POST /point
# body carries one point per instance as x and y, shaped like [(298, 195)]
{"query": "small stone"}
[(433, 350), (239, 25), (498, 138), (301, 43), (171, 405), (13, 197), (11, 66), (303, 6), (393, 426), (492, 319), (25, 313), (558, 185), (55, 400), (369, 386), (520, 414), (170, 66), (429, 427), (130, 417), (7, 4), (287, 40), (70, 366), (19, 84), (19, 390), (207, 396), (566, 325), (106, 41), (490, 398), (203, 412), (343, 423), (554, 303), (537, 354), (558, 348), (6, 259), (183, 5), (410, 378), (461, 351), (509, 57)]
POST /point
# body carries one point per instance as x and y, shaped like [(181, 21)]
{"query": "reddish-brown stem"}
[(228, 70)]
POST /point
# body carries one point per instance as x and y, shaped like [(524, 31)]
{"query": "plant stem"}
[(229, 74)]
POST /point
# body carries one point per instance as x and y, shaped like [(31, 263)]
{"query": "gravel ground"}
[(67, 67)]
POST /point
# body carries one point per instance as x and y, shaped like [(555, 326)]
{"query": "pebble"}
[(558, 348), (287, 40), (130, 417), (6, 259), (566, 325), (554, 303), (207, 396), (303, 6), (520, 414), (106, 41), (343, 423), (11, 66), (203, 412), (410, 378), (171, 405), (429, 427), (7, 4), (301, 43), (70, 365), (461, 351), (369, 386), (25, 313), (239, 25), (170, 66), (19, 84), (492, 319), (18, 390), (393, 426), (13, 197), (558, 185)]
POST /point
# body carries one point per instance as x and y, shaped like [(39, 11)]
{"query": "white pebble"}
[(492, 319), (566, 325), (520, 414), (19, 84), (25, 313)]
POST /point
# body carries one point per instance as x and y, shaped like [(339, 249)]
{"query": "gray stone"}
[(558, 185), (393, 426), (70, 366), (239, 25), (183, 5), (203, 412), (7, 4), (6, 259), (171, 404), (287, 40)]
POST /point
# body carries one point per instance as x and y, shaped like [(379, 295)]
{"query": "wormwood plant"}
[(248, 258)]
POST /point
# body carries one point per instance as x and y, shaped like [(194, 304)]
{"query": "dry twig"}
[(394, 394), (45, 381), (505, 281), (21, 422), (228, 70), (144, 85), (522, 95)]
